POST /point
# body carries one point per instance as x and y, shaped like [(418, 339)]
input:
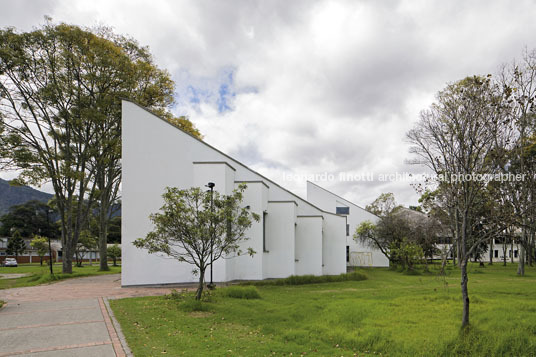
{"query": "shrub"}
[(309, 279), (241, 292)]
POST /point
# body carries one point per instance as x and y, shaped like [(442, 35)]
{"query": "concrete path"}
[(69, 318)]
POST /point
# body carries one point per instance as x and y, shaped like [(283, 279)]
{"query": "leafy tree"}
[(60, 90), (114, 252), (114, 231), (408, 254), (16, 245), (383, 205), (86, 243), (31, 218), (459, 138), (198, 228), (41, 244)]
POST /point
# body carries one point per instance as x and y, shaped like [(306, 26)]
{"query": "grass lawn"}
[(389, 313), (41, 274)]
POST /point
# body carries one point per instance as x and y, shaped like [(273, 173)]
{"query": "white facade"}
[(294, 237), (357, 254)]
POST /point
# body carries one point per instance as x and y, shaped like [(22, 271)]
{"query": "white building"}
[(357, 254), (294, 237)]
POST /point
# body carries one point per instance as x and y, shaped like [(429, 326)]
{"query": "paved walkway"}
[(69, 318)]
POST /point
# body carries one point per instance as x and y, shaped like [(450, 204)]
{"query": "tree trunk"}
[(199, 292), (103, 238), (67, 260), (521, 266), (491, 252), (465, 294), (41, 260)]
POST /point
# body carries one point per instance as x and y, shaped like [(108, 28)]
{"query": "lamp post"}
[(211, 185)]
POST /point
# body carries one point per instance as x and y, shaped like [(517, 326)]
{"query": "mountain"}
[(16, 195)]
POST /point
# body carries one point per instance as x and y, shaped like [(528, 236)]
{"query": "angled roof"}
[(230, 158)]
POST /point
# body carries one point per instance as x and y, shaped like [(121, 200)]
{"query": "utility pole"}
[(211, 185)]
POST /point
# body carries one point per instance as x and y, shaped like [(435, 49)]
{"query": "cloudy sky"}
[(298, 89)]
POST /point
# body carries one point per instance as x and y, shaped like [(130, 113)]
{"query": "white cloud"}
[(311, 87)]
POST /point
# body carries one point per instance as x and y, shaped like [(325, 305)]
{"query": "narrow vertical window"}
[(264, 231), (347, 229), (347, 253)]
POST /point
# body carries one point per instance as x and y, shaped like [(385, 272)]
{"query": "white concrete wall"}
[(246, 267), (333, 244), (156, 155), (309, 245), (328, 201), (279, 258)]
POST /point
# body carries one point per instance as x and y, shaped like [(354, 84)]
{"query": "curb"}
[(117, 328)]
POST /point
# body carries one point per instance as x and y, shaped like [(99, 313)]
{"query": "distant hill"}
[(16, 195)]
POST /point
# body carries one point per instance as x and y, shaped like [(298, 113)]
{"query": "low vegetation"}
[(241, 292), (389, 313), (309, 279), (38, 274)]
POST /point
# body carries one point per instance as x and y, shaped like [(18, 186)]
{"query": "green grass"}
[(389, 313), (241, 292), (41, 274), (308, 279)]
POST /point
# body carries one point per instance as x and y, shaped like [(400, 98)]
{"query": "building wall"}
[(360, 255), (334, 237), (308, 252), (279, 257), (157, 155)]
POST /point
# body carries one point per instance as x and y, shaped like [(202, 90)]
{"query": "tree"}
[(114, 230), (383, 205), (386, 235), (41, 244), (86, 243), (31, 218), (16, 245), (458, 138), (199, 227), (114, 252), (60, 90)]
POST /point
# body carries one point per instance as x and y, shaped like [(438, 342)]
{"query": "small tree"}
[(114, 252), (16, 245), (41, 244), (198, 227), (86, 243)]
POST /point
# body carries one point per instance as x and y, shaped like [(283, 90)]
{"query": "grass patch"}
[(390, 313), (309, 279), (241, 292), (41, 274)]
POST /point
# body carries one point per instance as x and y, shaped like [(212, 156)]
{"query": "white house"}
[(357, 254), (294, 236)]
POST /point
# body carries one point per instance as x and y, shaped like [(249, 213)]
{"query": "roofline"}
[(213, 163), (227, 156), (342, 198), (254, 181), (296, 203)]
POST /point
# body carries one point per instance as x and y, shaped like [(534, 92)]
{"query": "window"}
[(347, 229), (515, 253), (342, 210), (496, 253), (264, 231), (347, 253)]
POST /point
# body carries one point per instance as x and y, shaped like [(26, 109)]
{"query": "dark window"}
[(496, 254), (342, 210), (264, 231), (347, 230), (515, 253), (347, 253)]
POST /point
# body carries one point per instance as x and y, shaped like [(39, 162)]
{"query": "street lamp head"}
[(210, 185)]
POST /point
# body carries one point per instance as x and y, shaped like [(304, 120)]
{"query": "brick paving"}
[(68, 318)]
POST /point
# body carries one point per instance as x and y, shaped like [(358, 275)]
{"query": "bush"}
[(309, 279), (241, 292)]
